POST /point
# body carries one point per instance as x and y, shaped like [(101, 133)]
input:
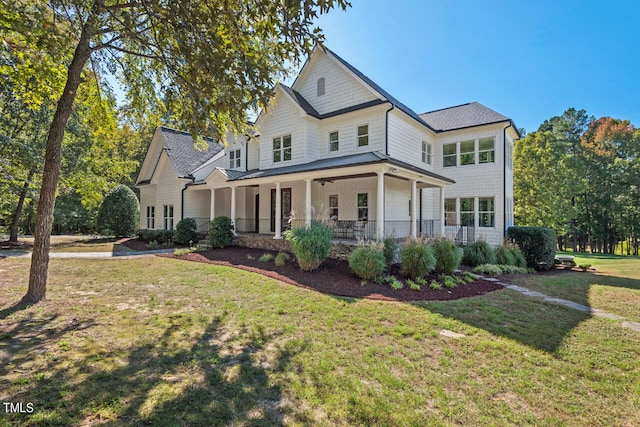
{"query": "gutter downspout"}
[(504, 181), (182, 196), (386, 129)]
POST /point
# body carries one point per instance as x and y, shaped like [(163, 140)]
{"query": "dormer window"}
[(320, 86)]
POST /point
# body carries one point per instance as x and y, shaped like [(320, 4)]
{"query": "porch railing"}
[(367, 230)]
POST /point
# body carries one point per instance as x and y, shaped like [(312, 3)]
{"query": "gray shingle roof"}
[(182, 153), (462, 116), (334, 163), (301, 101)]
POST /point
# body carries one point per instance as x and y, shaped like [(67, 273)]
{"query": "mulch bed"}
[(333, 277), (20, 244)]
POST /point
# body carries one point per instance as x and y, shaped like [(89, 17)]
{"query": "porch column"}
[(307, 204), (442, 211), (380, 207), (212, 205), (233, 207), (413, 208), (278, 234)]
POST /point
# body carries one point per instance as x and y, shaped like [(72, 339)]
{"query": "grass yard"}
[(157, 341), (613, 287)]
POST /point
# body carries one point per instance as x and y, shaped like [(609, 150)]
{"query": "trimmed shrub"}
[(158, 236), (221, 232), (448, 255), (310, 245), (416, 258), (505, 256), (389, 250), (186, 231), (478, 253), (538, 244), (119, 213), (368, 262)]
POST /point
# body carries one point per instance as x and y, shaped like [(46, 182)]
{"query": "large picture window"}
[(282, 148), (363, 206), (363, 135), (486, 212), (486, 150), (467, 211), (168, 217), (467, 153), (449, 155)]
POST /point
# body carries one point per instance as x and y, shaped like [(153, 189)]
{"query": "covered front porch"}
[(364, 201)]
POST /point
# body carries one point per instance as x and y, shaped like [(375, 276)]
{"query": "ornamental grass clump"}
[(448, 255), (310, 245), (416, 258), (389, 250), (505, 256), (478, 253), (368, 261)]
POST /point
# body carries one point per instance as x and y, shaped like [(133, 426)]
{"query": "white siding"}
[(342, 89), (282, 118), (169, 190), (405, 139), (347, 126), (152, 156), (197, 202), (479, 180), (147, 198), (347, 191), (253, 148)]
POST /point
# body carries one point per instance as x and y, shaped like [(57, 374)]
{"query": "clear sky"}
[(529, 60)]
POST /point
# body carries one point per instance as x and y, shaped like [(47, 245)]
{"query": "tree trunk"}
[(53, 160), (13, 235)]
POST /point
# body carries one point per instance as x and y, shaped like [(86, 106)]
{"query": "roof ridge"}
[(184, 132), (453, 106)]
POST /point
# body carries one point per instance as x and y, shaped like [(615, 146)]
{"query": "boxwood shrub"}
[(221, 232), (119, 213), (538, 244), (186, 231)]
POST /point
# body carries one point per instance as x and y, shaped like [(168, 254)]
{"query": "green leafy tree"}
[(119, 213), (212, 61)]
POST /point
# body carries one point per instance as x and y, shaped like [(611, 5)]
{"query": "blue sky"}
[(528, 60)]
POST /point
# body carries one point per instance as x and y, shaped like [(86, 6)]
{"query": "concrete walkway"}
[(570, 304)]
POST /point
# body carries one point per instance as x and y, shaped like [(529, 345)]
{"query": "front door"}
[(285, 204)]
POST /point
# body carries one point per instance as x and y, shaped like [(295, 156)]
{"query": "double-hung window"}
[(467, 211), (467, 153), (282, 148), (449, 152), (486, 150), (151, 217), (234, 159), (333, 141), (486, 212), (450, 214), (168, 217), (363, 135), (426, 152), (363, 206), (333, 207)]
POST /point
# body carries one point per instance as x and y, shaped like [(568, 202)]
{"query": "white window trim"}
[(427, 153), (478, 212), (281, 149), (486, 151), (368, 134), (337, 141)]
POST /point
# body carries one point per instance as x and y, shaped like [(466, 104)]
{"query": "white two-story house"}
[(336, 147)]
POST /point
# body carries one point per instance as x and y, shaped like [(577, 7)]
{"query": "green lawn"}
[(613, 287), (156, 341)]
